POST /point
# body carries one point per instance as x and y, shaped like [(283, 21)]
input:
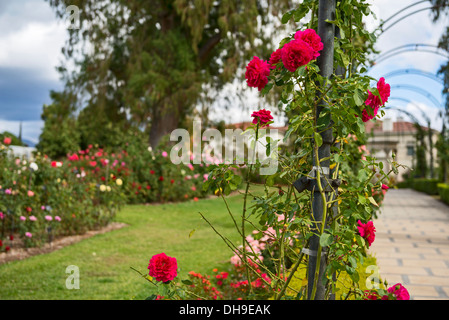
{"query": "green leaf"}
[(325, 239), (352, 261), (267, 88), (286, 17), (187, 282), (191, 233), (324, 120), (362, 199), (358, 97), (371, 199)]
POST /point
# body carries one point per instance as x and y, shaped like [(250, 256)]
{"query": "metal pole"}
[(326, 31)]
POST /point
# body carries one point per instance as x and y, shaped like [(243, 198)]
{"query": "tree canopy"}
[(146, 64)]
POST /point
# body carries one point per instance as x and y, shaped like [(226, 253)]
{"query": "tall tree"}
[(146, 63)]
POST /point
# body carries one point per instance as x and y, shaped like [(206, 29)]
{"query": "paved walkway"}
[(412, 243)]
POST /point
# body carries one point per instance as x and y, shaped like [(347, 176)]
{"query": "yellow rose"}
[(102, 188), (119, 182)]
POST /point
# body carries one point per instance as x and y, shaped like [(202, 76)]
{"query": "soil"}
[(18, 252)]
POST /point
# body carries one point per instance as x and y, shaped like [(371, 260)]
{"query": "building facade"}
[(386, 138)]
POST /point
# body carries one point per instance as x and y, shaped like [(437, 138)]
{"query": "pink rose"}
[(33, 218), (295, 54), (7, 140), (28, 234), (164, 154), (367, 231), (262, 116), (57, 218), (30, 193), (22, 218), (257, 72), (163, 268), (310, 37), (385, 187), (399, 291), (48, 218)]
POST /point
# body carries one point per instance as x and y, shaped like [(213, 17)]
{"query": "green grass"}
[(104, 260)]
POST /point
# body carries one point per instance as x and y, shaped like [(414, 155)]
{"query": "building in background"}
[(386, 138)]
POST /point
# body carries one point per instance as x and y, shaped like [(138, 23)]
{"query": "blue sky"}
[(32, 38)]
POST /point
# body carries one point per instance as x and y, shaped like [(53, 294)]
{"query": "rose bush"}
[(347, 182), (42, 198)]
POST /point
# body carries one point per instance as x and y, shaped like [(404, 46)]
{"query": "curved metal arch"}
[(409, 114), (402, 10), (411, 45), (382, 30), (420, 91), (410, 48), (427, 119), (416, 72)]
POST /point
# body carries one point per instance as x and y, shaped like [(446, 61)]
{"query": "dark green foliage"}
[(148, 62)]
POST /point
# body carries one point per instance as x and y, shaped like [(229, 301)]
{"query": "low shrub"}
[(443, 191), (428, 186)]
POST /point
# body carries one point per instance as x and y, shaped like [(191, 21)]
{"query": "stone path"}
[(412, 243)]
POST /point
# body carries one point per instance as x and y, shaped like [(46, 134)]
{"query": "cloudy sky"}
[(32, 38)]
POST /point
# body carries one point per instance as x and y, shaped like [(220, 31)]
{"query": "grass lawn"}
[(104, 260)]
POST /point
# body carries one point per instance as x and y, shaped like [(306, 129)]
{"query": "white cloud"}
[(31, 37), (36, 47)]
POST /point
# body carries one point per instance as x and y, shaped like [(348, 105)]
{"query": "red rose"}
[(257, 72), (367, 231), (374, 102), (7, 248), (295, 54), (275, 57), (399, 291), (161, 178), (1, 243), (384, 91), (73, 157), (163, 268), (262, 116), (310, 37)]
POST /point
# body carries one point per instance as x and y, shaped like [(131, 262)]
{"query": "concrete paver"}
[(412, 243)]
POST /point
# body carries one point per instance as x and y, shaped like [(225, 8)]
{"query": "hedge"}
[(429, 186), (443, 191)]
